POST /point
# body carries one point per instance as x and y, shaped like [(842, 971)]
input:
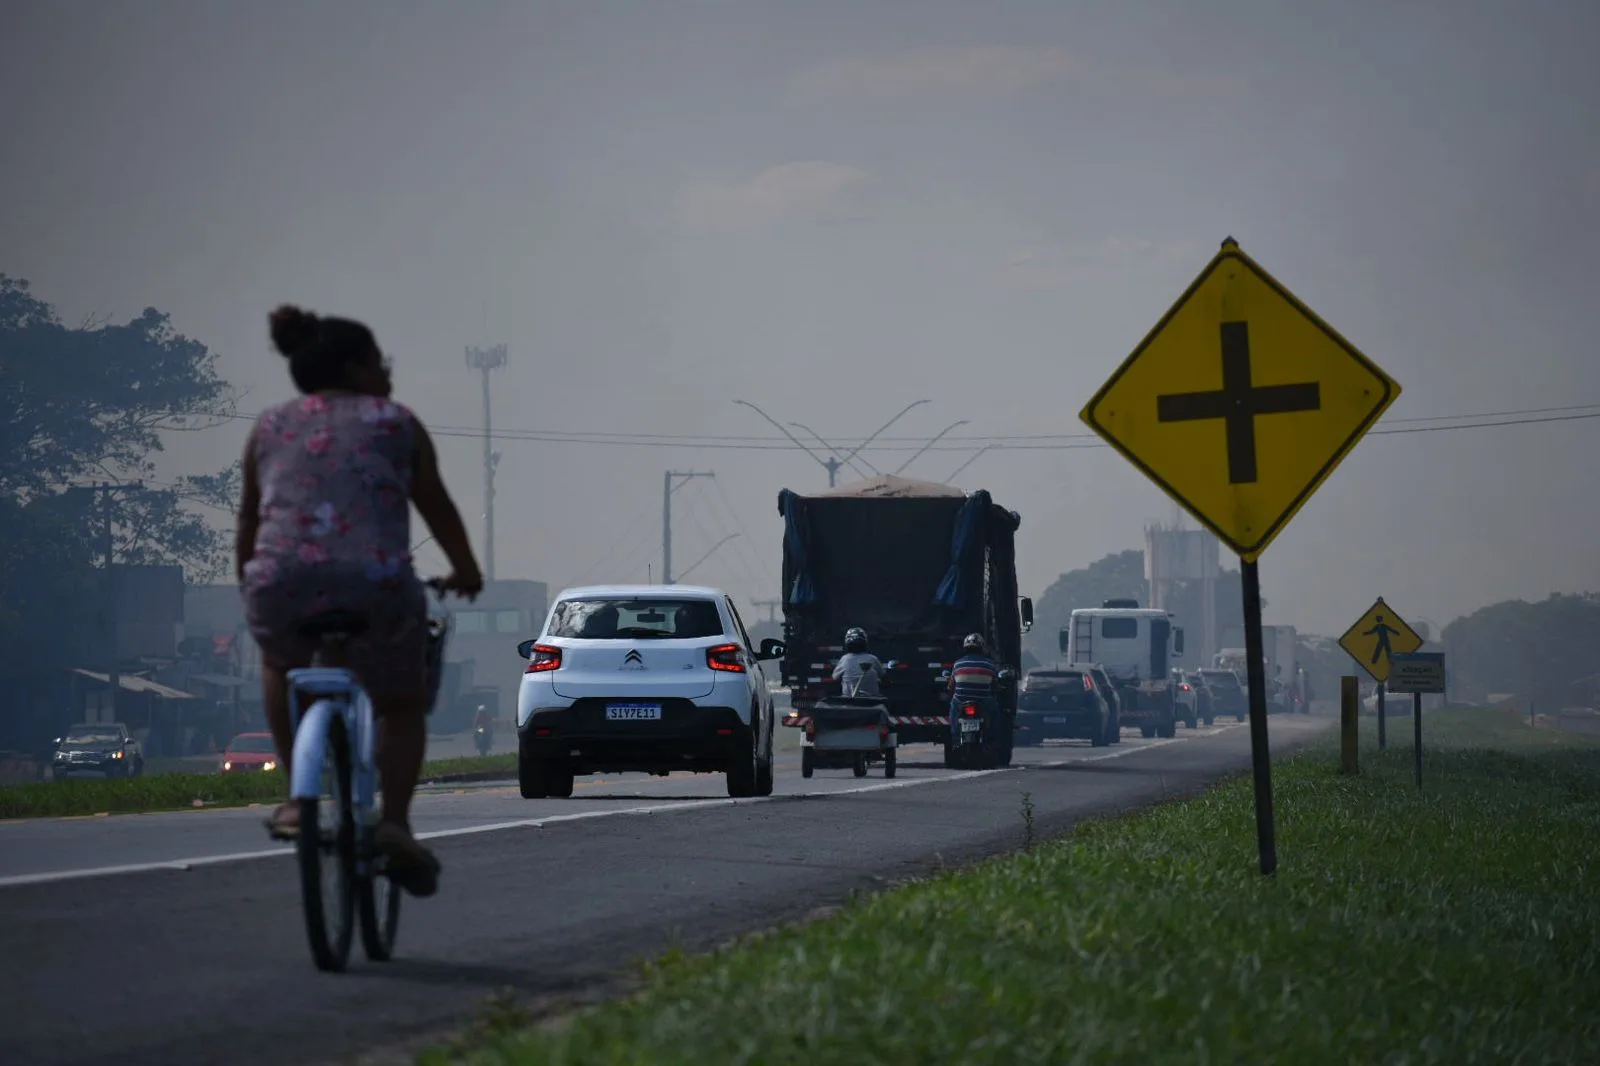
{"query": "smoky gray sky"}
[(833, 209)]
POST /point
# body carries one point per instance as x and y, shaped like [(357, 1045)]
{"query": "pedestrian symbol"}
[(1378, 636)]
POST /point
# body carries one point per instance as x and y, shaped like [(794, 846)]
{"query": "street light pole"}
[(930, 444), (834, 464), (886, 425), (830, 465), (485, 360)]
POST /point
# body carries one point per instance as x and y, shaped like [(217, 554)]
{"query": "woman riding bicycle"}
[(324, 524)]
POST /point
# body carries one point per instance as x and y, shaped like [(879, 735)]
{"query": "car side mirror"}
[(1061, 641), (1177, 642), (771, 649), (525, 649), (1027, 614)]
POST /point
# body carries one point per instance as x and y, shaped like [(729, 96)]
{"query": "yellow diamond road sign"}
[(1380, 634), (1240, 402)]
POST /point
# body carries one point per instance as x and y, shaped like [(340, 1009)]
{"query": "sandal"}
[(284, 824), (410, 865)]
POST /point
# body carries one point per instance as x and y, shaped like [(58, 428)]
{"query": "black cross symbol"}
[(1239, 403)]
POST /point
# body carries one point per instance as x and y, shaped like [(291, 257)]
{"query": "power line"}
[(1009, 442)]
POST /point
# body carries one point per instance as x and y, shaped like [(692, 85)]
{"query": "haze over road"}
[(205, 965)]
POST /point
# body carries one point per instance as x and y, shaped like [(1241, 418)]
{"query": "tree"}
[(1115, 576), (1121, 576), (90, 404), (1542, 651)]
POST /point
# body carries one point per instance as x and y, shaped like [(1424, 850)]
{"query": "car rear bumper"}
[(1057, 724), (687, 736)]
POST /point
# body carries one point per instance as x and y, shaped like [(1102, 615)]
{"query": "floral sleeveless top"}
[(335, 475)]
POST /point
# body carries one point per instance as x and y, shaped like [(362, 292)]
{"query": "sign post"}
[(1372, 642), (1417, 673), (1238, 405)]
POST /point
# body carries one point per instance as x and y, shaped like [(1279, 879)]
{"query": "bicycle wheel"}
[(378, 899), (327, 851)]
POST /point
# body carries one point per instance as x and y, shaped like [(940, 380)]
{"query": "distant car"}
[(1227, 695), (250, 753), (1205, 705), (1187, 699), (644, 679), (1062, 705), (1393, 702), (1109, 693), (107, 748)]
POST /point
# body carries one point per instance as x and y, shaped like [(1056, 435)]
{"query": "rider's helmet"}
[(974, 644), (855, 639)]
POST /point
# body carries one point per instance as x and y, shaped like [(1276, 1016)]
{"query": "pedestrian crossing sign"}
[(1378, 635)]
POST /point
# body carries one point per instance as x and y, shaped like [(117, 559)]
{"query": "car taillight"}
[(725, 657), (545, 657), (970, 710), (1088, 685)]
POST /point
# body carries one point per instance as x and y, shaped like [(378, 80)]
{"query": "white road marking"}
[(664, 807)]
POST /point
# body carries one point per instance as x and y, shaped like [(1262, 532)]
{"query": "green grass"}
[(177, 791), (1454, 927)]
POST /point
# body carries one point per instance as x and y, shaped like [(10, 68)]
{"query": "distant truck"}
[(916, 565), (1136, 646)]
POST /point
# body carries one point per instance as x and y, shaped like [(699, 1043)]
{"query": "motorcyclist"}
[(858, 670), (484, 721), (972, 678)]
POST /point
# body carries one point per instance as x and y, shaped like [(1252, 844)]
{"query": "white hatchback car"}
[(645, 679)]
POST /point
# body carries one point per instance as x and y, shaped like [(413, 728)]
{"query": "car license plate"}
[(1055, 721), (633, 712), (970, 725)]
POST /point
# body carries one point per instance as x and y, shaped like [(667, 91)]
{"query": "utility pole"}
[(108, 547), (486, 360), (670, 484)]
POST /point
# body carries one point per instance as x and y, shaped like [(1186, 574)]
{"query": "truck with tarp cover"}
[(918, 566)]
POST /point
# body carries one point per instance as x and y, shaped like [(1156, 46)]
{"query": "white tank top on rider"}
[(849, 671)]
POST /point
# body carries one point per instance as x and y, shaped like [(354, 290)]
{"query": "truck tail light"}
[(725, 657), (544, 657)]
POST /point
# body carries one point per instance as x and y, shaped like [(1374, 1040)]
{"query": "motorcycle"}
[(483, 737), (980, 734)]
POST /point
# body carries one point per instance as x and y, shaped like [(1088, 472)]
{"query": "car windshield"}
[(91, 737), (1224, 678), (251, 744), (632, 619)]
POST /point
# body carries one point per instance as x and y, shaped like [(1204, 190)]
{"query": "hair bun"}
[(294, 330)]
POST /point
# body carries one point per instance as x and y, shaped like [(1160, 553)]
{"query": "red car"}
[(250, 752)]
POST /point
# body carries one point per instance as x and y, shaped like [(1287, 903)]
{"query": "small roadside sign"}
[(1419, 672), (1377, 637), (1240, 402)]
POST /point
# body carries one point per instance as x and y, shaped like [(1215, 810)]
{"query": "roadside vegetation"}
[(168, 792), (1454, 926)]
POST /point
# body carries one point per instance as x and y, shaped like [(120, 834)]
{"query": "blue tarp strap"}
[(968, 538), (797, 542)]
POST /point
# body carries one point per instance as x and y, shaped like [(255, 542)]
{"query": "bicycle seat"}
[(333, 623)]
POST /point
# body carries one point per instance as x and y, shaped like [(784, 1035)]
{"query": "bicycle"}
[(333, 768)]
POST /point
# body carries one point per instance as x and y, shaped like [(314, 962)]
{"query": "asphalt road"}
[(207, 962)]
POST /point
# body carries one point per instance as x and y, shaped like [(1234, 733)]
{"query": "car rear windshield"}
[(657, 619), (1220, 677), (1051, 679)]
